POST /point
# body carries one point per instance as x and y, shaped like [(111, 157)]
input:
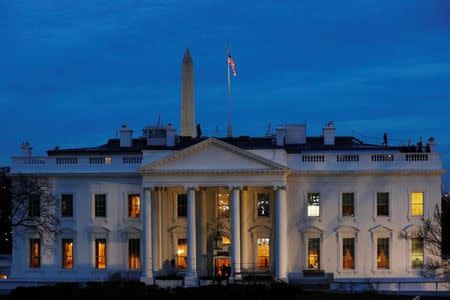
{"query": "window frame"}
[(63, 253), (341, 216), (375, 215), (61, 205), (31, 206), (346, 232), (178, 256), (310, 233), (381, 232), (31, 239), (270, 201), (424, 201), (307, 195), (127, 200), (93, 217), (129, 239), (178, 206), (96, 262)]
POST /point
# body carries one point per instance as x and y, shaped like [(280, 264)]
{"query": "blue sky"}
[(73, 71)]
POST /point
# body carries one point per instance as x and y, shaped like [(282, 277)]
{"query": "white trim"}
[(381, 232), (341, 217), (341, 233), (126, 216), (310, 233), (59, 205), (261, 231), (376, 218), (95, 219)]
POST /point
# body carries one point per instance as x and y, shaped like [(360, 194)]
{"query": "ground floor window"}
[(314, 253), (134, 253), (67, 253), (383, 253), (417, 253), (348, 252), (263, 252), (100, 253), (35, 253), (182, 254)]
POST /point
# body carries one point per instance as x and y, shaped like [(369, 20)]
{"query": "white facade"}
[(305, 241)]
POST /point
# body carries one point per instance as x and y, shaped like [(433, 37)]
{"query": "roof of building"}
[(244, 142)]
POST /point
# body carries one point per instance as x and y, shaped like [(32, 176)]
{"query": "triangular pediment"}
[(213, 155)]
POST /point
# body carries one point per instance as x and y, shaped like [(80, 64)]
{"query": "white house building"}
[(288, 204)]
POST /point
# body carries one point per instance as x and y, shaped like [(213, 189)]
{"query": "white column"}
[(245, 216), (191, 273), (147, 271), (235, 234), (203, 207), (156, 219), (280, 233)]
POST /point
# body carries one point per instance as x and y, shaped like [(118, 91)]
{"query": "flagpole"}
[(229, 126)]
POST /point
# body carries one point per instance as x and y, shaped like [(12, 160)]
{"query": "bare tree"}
[(33, 206), (437, 262)]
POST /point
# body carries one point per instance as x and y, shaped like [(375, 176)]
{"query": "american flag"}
[(231, 63)]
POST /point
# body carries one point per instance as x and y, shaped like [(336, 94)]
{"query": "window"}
[(382, 204), (417, 253), (134, 206), (100, 205), (108, 160), (417, 204), (314, 253), (348, 204), (66, 205), (35, 253), (348, 253), (182, 254), (263, 204), (313, 204), (383, 253), (182, 205), (224, 205), (263, 254), (34, 206), (100, 253), (134, 253), (67, 253)]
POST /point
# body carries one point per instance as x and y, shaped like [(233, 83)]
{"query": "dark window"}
[(134, 206), (348, 253), (348, 204), (134, 253), (263, 203), (67, 253), (34, 206), (100, 205), (382, 204), (383, 253), (66, 205), (35, 253), (100, 253), (182, 205)]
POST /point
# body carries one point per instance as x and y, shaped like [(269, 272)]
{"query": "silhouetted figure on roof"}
[(199, 131), (419, 146), (385, 140)]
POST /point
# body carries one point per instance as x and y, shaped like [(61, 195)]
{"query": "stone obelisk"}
[(187, 96)]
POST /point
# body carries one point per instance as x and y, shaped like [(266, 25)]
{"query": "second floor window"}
[(382, 204), (134, 206), (417, 204), (66, 205), (182, 205), (100, 205), (34, 206), (263, 203), (224, 205), (313, 204), (348, 204)]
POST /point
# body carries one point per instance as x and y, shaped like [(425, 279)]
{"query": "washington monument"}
[(187, 96)]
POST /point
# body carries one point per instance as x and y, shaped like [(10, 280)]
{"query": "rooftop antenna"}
[(269, 129), (159, 120)]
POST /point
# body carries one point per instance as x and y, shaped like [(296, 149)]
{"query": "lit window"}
[(182, 205), (348, 253), (182, 254), (348, 204), (313, 204), (224, 205), (314, 253), (263, 254), (263, 204), (35, 253), (34, 206), (66, 205), (108, 160), (383, 253), (382, 204), (67, 253), (100, 205), (417, 253), (134, 253), (417, 204), (134, 206), (100, 253)]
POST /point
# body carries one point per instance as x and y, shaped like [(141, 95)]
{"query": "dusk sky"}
[(73, 71)]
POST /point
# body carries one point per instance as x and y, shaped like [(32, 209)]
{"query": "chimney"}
[(26, 149), (170, 136), (295, 134), (280, 133), (329, 133), (126, 136)]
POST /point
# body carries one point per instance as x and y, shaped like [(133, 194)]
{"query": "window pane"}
[(35, 253), (182, 254), (67, 253), (263, 204), (134, 206), (100, 253), (383, 253), (417, 253), (417, 204), (313, 204), (382, 204), (34, 206), (263, 254), (134, 254), (348, 209), (66, 205), (100, 205), (224, 205), (182, 205), (314, 253), (348, 252)]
